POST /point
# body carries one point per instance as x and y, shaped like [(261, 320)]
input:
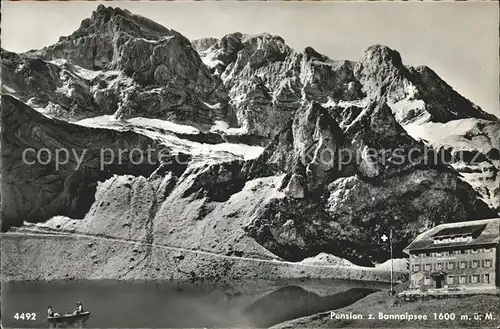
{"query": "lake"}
[(166, 304)]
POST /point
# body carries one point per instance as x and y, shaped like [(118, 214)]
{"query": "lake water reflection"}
[(165, 304)]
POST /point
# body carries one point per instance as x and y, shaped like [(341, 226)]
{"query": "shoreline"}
[(199, 281), (380, 302)]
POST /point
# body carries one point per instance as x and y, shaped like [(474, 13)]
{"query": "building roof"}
[(485, 231), (450, 232)]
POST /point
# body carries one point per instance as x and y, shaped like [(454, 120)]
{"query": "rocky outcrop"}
[(56, 89), (338, 204), (52, 167), (415, 94), (443, 101), (307, 147)]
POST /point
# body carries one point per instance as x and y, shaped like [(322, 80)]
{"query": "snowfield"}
[(201, 151), (8, 89), (110, 120), (467, 135), (461, 134), (223, 127), (162, 124), (209, 61)]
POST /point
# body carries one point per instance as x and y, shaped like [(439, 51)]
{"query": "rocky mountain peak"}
[(443, 101), (120, 63), (382, 73), (105, 19), (98, 42), (107, 12), (311, 53), (382, 56)]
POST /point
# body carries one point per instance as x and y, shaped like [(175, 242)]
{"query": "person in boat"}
[(50, 313), (79, 308)]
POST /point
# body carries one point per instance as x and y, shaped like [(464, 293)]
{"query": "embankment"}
[(40, 256)]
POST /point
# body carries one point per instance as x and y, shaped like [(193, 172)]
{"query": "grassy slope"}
[(381, 302)]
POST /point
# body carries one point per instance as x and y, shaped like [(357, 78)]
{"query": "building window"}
[(439, 266), (475, 251), (438, 254), (427, 281), (463, 264), (449, 280), (463, 251), (427, 267), (486, 278), (416, 268), (450, 265), (475, 278), (486, 262), (475, 264), (447, 253), (487, 250), (463, 279), (427, 254), (457, 252)]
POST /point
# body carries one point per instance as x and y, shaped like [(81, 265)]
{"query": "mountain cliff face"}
[(258, 150)]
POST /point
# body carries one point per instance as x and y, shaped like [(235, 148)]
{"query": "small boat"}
[(69, 317)]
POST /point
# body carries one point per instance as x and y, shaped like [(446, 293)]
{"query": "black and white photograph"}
[(250, 164)]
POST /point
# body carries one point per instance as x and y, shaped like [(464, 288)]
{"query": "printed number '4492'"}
[(25, 316)]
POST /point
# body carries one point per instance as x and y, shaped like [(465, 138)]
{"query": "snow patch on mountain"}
[(475, 147), (464, 134), (223, 127), (165, 131), (8, 89), (212, 106), (162, 124), (343, 103), (210, 61), (102, 121), (59, 61)]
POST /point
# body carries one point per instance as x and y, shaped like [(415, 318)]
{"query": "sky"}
[(458, 40)]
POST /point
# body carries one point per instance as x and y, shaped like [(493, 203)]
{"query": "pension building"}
[(456, 257)]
